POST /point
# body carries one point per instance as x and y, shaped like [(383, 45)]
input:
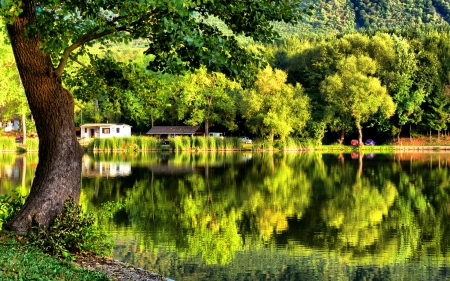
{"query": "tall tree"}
[(45, 35), (208, 99), (274, 108), (352, 91)]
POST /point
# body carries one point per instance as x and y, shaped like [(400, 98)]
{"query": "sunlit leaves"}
[(352, 91), (274, 108)]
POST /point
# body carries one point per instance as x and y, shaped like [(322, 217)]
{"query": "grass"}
[(32, 144), (124, 144), (7, 144), (20, 261)]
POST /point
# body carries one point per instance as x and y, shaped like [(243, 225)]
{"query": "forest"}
[(352, 69)]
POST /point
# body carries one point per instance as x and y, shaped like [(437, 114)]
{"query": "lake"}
[(264, 216)]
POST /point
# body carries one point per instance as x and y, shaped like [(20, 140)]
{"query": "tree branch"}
[(82, 64), (83, 40)]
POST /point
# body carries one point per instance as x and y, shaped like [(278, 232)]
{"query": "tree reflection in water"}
[(230, 216)]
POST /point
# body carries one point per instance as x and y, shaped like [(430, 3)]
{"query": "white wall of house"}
[(104, 130), (10, 125)]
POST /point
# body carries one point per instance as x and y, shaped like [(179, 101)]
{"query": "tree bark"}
[(24, 129), (58, 173), (360, 137), (341, 139)]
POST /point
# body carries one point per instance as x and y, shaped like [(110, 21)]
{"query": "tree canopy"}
[(46, 35)]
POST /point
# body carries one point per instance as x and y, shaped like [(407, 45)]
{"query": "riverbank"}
[(24, 262)]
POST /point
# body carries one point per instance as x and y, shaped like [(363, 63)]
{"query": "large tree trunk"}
[(58, 173)]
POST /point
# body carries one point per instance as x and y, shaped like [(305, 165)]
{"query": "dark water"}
[(234, 216)]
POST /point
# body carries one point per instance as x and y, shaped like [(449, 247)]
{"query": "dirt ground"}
[(423, 141)]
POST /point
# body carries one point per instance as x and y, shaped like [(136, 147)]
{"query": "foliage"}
[(209, 99), (274, 108), (9, 205), (73, 232), (25, 262), (12, 95)]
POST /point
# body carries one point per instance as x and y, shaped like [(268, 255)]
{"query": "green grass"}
[(7, 144), (19, 261), (124, 144), (32, 144)]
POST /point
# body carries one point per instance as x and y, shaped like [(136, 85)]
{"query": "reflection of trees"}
[(17, 172), (307, 203), (357, 211)]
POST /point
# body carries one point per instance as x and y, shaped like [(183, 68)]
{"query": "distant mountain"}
[(336, 16)]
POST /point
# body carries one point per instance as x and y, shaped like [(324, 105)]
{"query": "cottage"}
[(107, 130), (10, 125)]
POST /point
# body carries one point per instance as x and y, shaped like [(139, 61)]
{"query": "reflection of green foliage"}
[(234, 204), (357, 211), (7, 158)]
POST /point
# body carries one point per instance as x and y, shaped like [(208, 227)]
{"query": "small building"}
[(10, 125), (104, 130), (173, 131)]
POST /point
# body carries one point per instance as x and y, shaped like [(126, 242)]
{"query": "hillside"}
[(336, 16)]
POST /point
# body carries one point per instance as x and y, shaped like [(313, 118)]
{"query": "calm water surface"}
[(244, 216)]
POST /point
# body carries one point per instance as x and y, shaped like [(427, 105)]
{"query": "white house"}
[(107, 130), (10, 125)]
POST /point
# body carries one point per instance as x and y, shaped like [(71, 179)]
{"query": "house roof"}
[(173, 130), (103, 124)]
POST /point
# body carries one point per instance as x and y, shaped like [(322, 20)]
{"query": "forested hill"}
[(336, 16)]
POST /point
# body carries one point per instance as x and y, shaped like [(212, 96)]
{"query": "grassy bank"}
[(7, 144), (175, 144), (21, 261)]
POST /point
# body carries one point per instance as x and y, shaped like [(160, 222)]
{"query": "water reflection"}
[(233, 216)]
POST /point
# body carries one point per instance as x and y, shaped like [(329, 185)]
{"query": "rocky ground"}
[(116, 270)]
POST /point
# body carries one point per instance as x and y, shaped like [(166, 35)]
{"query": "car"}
[(369, 142), (354, 142), (246, 140), (19, 138)]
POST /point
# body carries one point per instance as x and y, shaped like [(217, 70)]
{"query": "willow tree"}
[(47, 35)]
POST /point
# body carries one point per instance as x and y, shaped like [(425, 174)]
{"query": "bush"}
[(9, 205), (72, 232)]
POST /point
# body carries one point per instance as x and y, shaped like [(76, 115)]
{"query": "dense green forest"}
[(334, 17), (352, 69)]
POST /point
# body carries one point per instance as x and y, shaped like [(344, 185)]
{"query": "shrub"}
[(72, 232), (9, 205)]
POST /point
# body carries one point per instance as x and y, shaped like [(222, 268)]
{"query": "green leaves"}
[(72, 232)]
